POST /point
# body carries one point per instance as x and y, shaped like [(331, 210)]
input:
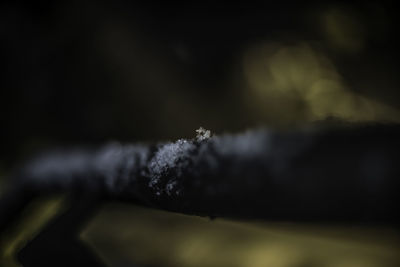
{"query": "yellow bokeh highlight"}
[(297, 83), (33, 219), (137, 235)]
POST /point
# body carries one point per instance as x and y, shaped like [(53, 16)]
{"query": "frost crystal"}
[(202, 134), (169, 161)]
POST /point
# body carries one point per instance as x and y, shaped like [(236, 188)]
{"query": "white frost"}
[(202, 134)]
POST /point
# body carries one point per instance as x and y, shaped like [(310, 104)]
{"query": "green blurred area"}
[(123, 234), (32, 220)]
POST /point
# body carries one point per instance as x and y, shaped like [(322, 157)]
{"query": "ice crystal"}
[(202, 134)]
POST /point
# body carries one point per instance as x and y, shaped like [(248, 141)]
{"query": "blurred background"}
[(85, 73)]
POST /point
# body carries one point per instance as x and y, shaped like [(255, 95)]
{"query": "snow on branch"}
[(308, 174)]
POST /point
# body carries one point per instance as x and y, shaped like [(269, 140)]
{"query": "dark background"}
[(82, 73), (87, 72)]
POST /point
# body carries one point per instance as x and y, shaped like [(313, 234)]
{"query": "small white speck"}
[(202, 134)]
